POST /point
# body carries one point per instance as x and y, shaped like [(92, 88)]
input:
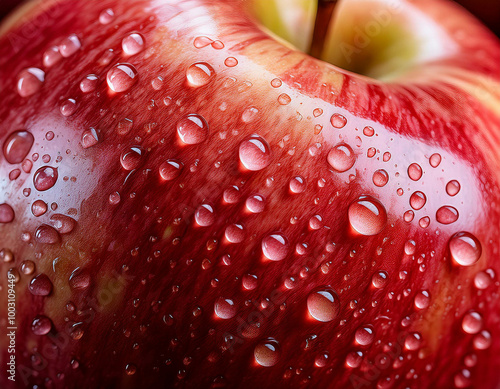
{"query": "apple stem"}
[(321, 24)]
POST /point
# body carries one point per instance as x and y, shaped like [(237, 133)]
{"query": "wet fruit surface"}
[(197, 222)]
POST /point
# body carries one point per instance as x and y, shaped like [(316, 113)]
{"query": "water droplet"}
[(231, 195), (368, 131), (121, 77), (7, 214), (354, 359), (267, 353), (418, 200), (45, 234), (192, 129), (49, 135), (41, 325), (322, 359), (341, 157), (255, 153), (371, 152), (447, 215), (235, 233), (367, 216), (45, 178), (422, 299), (130, 369), (297, 184), (410, 247), (380, 178), (317, 112), (14, 174), (199, 74), (70, 46), (315, 222), (133, 44), (114, 198), (231, 62), (452, 188), (413, 341), (255, 203), (28, 267), (68, 107), (415, 171), (62, 223), (17, 146), (435, 160), (284, 99), (131, 158), (79, 279), (462, 379), (30, 81), (217, 45), (90, 138), (338, 121), (225, 308), (482, 341), (89, 83), (76, 331), (465, 248), (249, 115), (106, 16), (484, 279), (38, 208), (249, 281), (364, 336), (276, 82), (424, 222), (171, 169), (51, 56), (386, 157), (40, 285), (275, 247), (205, 215), (202, 41), (323, 304), (472, 322), (379, 279)]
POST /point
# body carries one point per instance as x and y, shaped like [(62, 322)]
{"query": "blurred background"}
[(486, 10)]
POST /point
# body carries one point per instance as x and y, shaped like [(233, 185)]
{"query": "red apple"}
[(187, 200)]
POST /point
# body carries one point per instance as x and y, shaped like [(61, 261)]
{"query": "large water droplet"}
[(284, 99), (472, 322), (68, 107), (267, 353), (40, 285), (380, 178), (38, 208), (413, 341), (45, 178), (341, 157), (121, 77), (354, 359), (205, 215), (415, 171), (41, 325), (30, 81), (225, 308), (297, 184), (46, 234), (338, 121), (367, 216), (255, 153), (255, 203), (465, 248), (249, 281), (62, 223), (452, 188), (379, 279), (131, 158), (90, 138), (447, 215), (199, 74), (7, 214), (17, 146), (79, 279), (51, 56), (106, 16), (89, 83), (364, 336), (192, 129), (171, 169), (323, 304), (235, 233), (482, 341), (275, 247), (435, 160), (484, 279), (133, 44), (70, 46), (418, 200), (422, 299)]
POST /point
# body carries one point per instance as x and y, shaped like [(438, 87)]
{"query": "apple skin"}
[(129, 279)]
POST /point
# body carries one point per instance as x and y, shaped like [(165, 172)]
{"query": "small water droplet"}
[(338, 121), (40, 285), (418, 200), (322, 359), (368, 131), (465, 248), (413, 341), (484, 279), (380, 178), (341, 157), (315, 222), (90, 138), (452, 188), (276, 82), (472, 322), (323, 304), (275, 247), (121, 77), (354, 359), (199, 74), (255, 153), (130, 369), (205, 215), (225, 308), (317, 112), (235, 233), (462, 379), (131, 157), (422, 299), (106, 16), (364, 336), (45, 178), (255, 203), (482, 341), (62, 223), (7, 214), (424, 222), (202, 41), (284, 99), (30, 81), (435, 160), (68, 107), (371, 152), (267, 352), (133, 44), (447, 215), (231, 62), (79, 279), (192, 129), (51, 56), (379, 279), (217, 45), (38, 208), (297, 184), (45, 234), (89, 83), (386, 157), (367, 216), (171, 169), (41, 325), (28, 267), (70, 46), (415, 171), (249, 281), (114, 198)]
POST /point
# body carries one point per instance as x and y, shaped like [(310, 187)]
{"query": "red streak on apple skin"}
[(155, 275)]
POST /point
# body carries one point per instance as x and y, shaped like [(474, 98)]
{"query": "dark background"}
[(486, 10)]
